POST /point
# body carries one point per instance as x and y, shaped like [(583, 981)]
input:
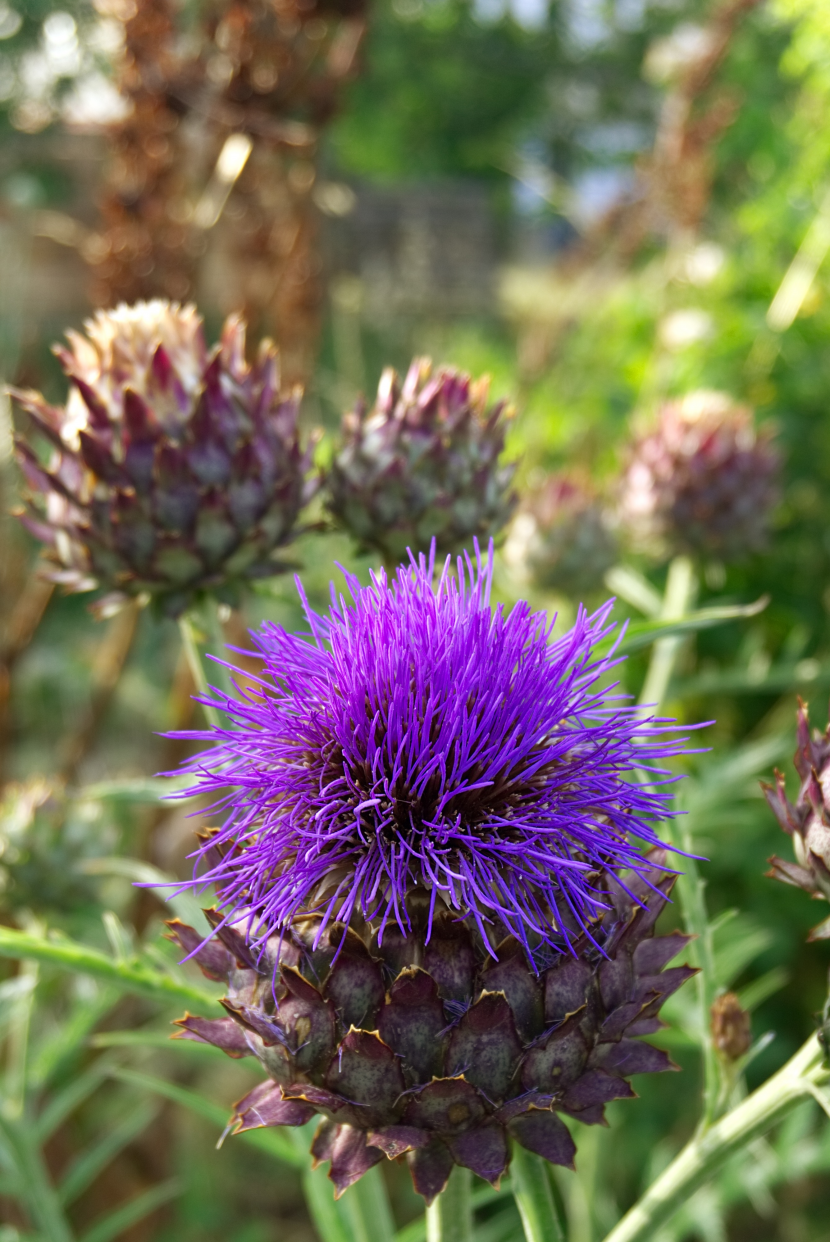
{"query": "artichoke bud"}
[(562, 538), (704, 481), (175, 470), (423, 464), (807, 820), (433, 1047)]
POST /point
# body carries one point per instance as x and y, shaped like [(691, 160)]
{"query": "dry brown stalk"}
[(266, 74), (23, 621), (676, 177), (145, 248)]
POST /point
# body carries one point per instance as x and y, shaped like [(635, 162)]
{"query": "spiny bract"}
[(175, 470), (704, 481), (429, 1047), (808, 820), (423, 464)]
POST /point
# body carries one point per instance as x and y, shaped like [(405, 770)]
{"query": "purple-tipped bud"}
[(175, 470), (807, 820), (562, 538), (704, 481), (423, 464)]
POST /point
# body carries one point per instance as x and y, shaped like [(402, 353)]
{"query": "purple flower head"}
[(414, 737)]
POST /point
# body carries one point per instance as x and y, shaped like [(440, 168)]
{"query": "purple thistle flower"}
[(415, 737)]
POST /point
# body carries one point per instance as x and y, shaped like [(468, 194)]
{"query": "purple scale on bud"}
[(704, 481), (175, 470), (435, 919), (807, 820), (423, 464), (417, 1079)]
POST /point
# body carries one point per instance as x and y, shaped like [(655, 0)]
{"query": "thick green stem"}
[(530, 1182), (706, 1153), (450, 1215), (691, 891)]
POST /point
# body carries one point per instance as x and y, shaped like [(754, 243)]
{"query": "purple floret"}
[(417, 737)]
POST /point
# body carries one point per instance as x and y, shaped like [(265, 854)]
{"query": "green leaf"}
[(534, 1197), (367, 1206), (329, 1215), (736, 941), (755, 993), (267, 1140), (124, 1217), (183, 904), (776, 680), (504, 1224), (84, 1170), (34, 1187), (55, 1050), (141, 1038), (135, 976), (641, 634), (416, 1230), (64, 1102)]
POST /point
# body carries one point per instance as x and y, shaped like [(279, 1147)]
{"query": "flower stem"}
[(691, 890), (450, 1215), (707, 1151), (680, 589), (530, 1182)]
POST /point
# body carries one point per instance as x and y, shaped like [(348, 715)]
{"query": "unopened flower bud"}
[(703, 481), (175, 470), (423, 464), (731, 1029), (562, 537), (807, 820)]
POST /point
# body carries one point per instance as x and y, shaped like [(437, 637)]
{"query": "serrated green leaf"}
[(135, 976)]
